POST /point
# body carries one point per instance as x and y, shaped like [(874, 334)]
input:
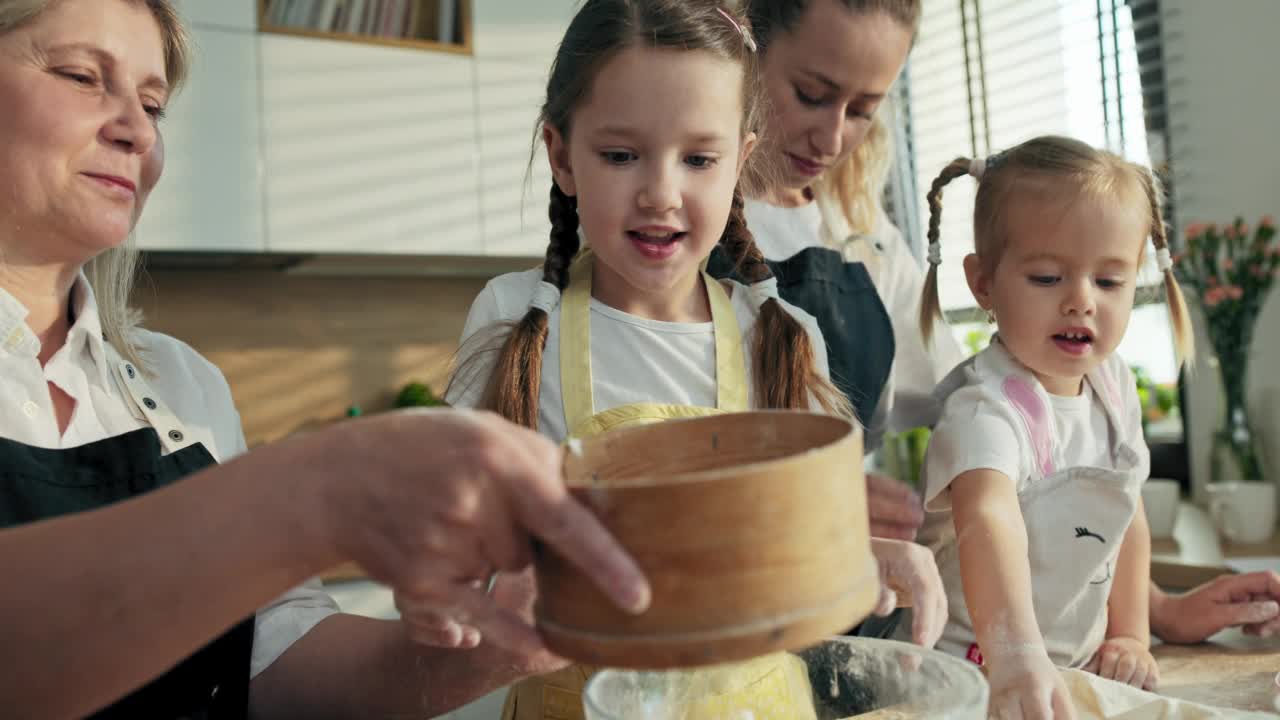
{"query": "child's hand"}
[(1127, 660), (909, 569), (1026, 686)]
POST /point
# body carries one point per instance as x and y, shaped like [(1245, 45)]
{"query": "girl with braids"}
[(652, 111), (641, 194), (1033, 473)]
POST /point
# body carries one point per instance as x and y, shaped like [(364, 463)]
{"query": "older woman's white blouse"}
[(192, 388)]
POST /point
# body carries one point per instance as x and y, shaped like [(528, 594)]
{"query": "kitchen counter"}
[(1232, 670), (1195, 554)]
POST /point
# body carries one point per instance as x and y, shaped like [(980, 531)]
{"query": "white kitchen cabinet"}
[(515, 42), (369, 149), (210, 195), (222, 14)]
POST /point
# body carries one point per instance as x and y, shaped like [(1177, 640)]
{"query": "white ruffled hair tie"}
[(765, 289), (935, 253), (977, 166), (1164, 260), (546, 297)]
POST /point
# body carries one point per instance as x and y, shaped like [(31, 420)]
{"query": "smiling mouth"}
[(1075, 337), (653, 238), (121, 184)]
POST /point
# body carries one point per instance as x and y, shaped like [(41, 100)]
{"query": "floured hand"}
[(910, 568), (1027, 686), (1127, 660)]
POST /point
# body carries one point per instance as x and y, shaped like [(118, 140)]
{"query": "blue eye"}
[(1044, 280), (700, 162), (617, 157)]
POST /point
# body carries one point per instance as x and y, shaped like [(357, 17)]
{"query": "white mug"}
[(1160, 499), (1244, 512)]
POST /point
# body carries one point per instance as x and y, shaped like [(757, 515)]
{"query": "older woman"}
[(131, 594)]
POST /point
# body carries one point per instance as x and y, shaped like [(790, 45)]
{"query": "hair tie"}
[(764, 289), (747, 40), (935, 253), (1164, 260), (977, 166), (546, 297)]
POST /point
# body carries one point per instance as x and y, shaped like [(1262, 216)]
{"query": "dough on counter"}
[(1096, 698)]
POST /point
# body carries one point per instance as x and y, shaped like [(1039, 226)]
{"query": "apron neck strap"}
[(575, 346), (145, 403)]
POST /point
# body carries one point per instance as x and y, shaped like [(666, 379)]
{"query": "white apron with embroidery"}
[(1076, 516)]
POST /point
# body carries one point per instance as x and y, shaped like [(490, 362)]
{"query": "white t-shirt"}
[(907, 399), (973, 436), (633, 359), (190, 386)]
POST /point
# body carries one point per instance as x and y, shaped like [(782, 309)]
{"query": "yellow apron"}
[(775, 686)]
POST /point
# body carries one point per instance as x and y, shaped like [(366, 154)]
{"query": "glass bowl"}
[(841, 678)]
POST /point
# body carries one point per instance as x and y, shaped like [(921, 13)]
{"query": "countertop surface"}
[(1232, 670)]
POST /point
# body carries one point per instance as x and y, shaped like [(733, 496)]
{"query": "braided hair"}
[(782, 356)]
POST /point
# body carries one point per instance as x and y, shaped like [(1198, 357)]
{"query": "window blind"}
[(988, 74)]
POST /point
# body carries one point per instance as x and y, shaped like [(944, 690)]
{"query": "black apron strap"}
[(847, 306)]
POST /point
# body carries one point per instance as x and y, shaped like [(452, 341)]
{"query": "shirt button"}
[(30, 408)]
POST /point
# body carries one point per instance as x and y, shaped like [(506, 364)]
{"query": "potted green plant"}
[(1157, 401), (417, 394)]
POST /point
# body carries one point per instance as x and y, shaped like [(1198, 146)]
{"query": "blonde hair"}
[(1044, 165), (857, 184), (111, 274), (783, 356)]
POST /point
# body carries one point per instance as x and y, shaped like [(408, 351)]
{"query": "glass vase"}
[(1235, 453)]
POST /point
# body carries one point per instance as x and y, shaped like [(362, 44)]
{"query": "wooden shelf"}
[(464, 47)]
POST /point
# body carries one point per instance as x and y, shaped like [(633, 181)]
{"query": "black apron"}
[(856, 327), (38, 483), (847, 306)]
